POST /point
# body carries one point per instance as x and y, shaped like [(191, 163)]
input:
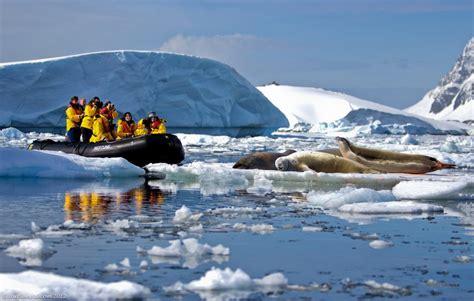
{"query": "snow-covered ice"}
[(187, 91), (34, 284), (428, 189), (41, 164), (404, 207)]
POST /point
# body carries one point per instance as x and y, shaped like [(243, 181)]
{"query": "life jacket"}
[(124, 129), (73, 118)]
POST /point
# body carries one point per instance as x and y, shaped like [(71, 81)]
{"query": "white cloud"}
[(230, 49)]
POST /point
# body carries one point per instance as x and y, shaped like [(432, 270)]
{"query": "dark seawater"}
[(424, 247)]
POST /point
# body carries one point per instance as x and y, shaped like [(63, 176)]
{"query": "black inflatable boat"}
[(156, 148)]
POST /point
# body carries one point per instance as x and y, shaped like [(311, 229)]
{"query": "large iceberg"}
[(189, 92), (321, 111)]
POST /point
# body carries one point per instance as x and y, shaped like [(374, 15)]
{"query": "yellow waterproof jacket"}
[(73, 118), (89, 113), (124, 130), (101, 129), (141, 128)]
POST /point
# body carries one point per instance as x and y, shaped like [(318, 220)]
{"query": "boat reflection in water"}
[(91, 207)]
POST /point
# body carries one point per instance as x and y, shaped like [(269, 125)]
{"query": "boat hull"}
[(156, 148)]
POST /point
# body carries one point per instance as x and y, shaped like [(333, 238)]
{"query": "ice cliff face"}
[(189, 92), (452, 99)]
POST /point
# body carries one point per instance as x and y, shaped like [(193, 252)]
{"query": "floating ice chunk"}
[(29, 251), (463, 259), (184, 215), (32, 283), (382, 286), (406, 207), (27, 248), (427, 189), (143, 265), (70, 224), (380, 244), (111, 267), (175, 249), (196, 229), (35, 227), (257, 228), (409, 139), (125, 262), (121, 224), (311, 229), (233, 212), (450, 147), (348, 195), (217, 279)]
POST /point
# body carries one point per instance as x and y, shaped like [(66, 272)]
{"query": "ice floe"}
[(42, 164), (380, 244), (30, 252), (226, 283), (190, 250), (184, 215), (256, 228), (33, 284), (428, 189), (347, 195), (390, 208)]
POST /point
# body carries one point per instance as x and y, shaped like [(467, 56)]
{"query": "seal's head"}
[(285, 164)]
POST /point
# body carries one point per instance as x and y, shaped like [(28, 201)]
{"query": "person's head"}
[(74, 100), (152, 116), (127, 117)]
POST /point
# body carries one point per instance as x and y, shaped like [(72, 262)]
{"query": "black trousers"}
[(86, 135), (74, 135)]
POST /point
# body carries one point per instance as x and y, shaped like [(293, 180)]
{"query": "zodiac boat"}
[(155, 148)]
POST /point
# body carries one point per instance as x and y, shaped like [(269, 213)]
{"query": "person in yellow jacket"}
[(126, 126), (101, 129), (90, 111), (73, 120), (151, 125)]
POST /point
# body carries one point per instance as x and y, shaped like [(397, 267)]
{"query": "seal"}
[(260, 160), (388, 161), (320, 162)]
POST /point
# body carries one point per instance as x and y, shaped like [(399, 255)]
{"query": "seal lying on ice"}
[(266, 160), (320, 162), (388, 161), (347, 159), (260, 160)]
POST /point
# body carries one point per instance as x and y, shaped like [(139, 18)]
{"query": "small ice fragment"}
[(112, 267), (35, 227), (184, 215), (143, 265), (409, 139), (463, 259), (312, 229), (125, 262), (196, 229), (380, 244)]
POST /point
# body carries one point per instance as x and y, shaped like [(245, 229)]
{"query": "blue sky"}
[(387, 51)]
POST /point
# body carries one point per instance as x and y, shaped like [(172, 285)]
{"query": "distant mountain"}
[(452, 99), (317, 110), (189, 92)]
